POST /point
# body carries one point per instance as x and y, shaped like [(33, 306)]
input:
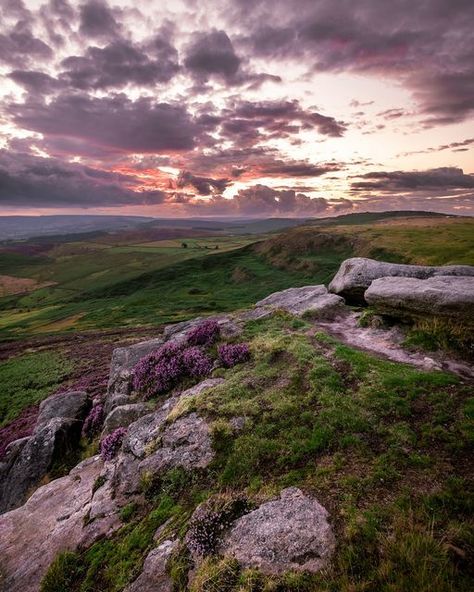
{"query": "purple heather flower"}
[(196, 362), (110, 444), (205, 334), (93, 421), (231, 354)]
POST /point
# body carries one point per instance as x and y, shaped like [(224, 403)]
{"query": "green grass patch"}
[(28, 379)]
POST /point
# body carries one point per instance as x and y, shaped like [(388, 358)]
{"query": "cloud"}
[(120, 63), (97, 20), (430, 53), (19, 46), (441, 178), (114, 123), (212, 54), (29, 181), (203, 185)]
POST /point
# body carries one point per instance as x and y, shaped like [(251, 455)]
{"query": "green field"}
[(104, 282)]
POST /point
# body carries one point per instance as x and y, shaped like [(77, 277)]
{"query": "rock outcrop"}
[(51, 521), (56, 434), (440, 296), (67, 405), (307, 300), (289, 533), (355, 275)]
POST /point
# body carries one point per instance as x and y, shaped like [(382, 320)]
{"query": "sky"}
[(241, 108)]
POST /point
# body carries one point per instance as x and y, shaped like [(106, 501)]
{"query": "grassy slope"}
[(383, 446), (108, 285)]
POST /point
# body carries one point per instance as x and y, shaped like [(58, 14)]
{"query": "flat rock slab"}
[(308, 299), (355, 275), (289, 533), (443, 296), (50, 522)]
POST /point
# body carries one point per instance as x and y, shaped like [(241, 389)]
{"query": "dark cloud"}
[(279, 168), (19, 46), (29, 181), (212, 54), (97, 20), (120, 63), (203, 185), (248, 119), (453, 146), (431, 52), (35, 82), (441, 178), (114, 123)]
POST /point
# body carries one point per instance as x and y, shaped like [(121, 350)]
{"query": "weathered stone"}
[(71, 405), (309, 299), (185, 443), (154, 577), (443, 296), (355, 275), (227, 325), (123, 416), (34, 458), (50, 522), (289, 533), (123, 361)]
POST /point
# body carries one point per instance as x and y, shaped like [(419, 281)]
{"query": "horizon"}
[(309, 109)]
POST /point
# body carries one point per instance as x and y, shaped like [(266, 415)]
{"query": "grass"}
[(28, 379), (382, 446)]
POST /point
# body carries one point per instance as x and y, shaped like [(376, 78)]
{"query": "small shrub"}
[(205, 334), (110, 444), (196, 363), (231, 354), (162, 370), (93, 421), (128, 511), (209, 522)]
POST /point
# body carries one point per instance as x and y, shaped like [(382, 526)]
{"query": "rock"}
[(50, 522), (443, 296), (123, 361), (298, 301), (289, 533), (34, 457), (185, 443), (72, 405), (356, 274), (154, 577), (123, 416), (178, 331), (201, 387)]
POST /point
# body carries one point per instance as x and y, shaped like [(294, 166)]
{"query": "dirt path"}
[(388, 344)]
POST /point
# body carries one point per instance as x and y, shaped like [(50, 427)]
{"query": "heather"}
[(231, 354), (93, 421), (205, 334), (110, 444)]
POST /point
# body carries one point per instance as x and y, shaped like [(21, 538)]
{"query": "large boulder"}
[(440, 296), (51, 521), (28, 461), (154, 576), (289, 533), (298, 301), (356, 275), (71, 405)]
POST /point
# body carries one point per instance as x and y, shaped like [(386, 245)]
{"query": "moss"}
[(63, 574)]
